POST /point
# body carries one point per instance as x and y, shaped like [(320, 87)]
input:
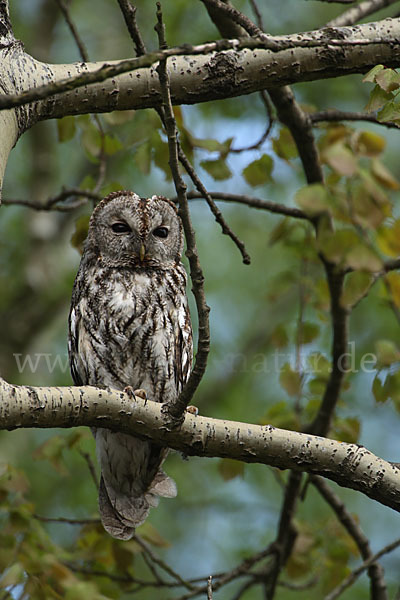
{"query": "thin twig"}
[(259, 203), (354, 575), (341, 115), (256, 145), (177, 409), (85, 58), (257, 14), (91, 467), (129, 14), (287, 533), (235, 16), (81, 46), (53, 202), (66, 520), (362, 10), (375, 571), (157, 560), (226, 230)]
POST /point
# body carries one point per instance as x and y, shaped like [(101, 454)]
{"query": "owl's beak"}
[(142, 252)]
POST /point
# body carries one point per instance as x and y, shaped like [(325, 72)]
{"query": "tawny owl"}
[(129, 325)]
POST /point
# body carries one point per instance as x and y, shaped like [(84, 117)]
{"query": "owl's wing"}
[(78, 371), (183, 347)]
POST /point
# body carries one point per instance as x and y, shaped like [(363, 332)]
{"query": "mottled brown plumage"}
[(129, 325)]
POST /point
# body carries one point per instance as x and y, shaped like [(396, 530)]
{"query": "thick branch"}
[(349, 465), (210, 71)]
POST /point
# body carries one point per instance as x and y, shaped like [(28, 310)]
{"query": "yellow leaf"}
[(356, 285), (393, 280), (369, 143), (229, 468), (383, 175), (388, 239), (341, 159)]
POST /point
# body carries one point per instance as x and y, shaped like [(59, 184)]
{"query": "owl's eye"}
[(161, 232), (120, 227)]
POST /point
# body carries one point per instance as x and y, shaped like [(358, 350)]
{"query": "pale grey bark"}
[(197, 73), (350, 465)]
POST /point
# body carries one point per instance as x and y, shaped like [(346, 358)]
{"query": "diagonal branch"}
[(375, 571), (176, 409), (356, 13)]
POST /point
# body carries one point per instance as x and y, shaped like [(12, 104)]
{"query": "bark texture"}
[(350, 465)]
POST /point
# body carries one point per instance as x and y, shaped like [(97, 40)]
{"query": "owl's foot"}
[(139, 393), (192, 410)]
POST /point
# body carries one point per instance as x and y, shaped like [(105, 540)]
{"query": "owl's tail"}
[(131, 481), (121, 514)]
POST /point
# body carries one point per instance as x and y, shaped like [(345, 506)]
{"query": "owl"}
[(129, 325)]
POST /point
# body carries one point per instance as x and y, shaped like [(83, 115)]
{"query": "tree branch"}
[(349, 465), (350, 579), (375, 571), (362, 10), (341, 115), (176, 410), (219, 69)]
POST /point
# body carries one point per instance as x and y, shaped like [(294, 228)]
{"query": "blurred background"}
[(224, 510)]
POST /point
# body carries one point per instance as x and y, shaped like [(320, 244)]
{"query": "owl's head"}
[(126, 230)]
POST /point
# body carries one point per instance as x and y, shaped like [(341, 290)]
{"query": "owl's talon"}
[(140, 393), (130, 391), (192, 410)]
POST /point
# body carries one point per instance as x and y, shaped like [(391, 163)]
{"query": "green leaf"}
[(259, 171), (377, 98), (12, 576), (284, 145), (80, 233), (378, 389), (218, 169), (387, 353), (87, 183), (335, 245), (388, 80), (149, 533), (229, 468), (393, 281), (341, 159), (313, 199), (290, 380), (161, 155), (390, 112), (142, 157), (364, 258), (383, 175), (66, 128), (209, 144), (369, 143), (308, 332), (319, 364), (370, 76), (119, 117), (347, 430), (279, 336), (111, 145), (91, 140), (355, 287), (281, 415), (388, 239)]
